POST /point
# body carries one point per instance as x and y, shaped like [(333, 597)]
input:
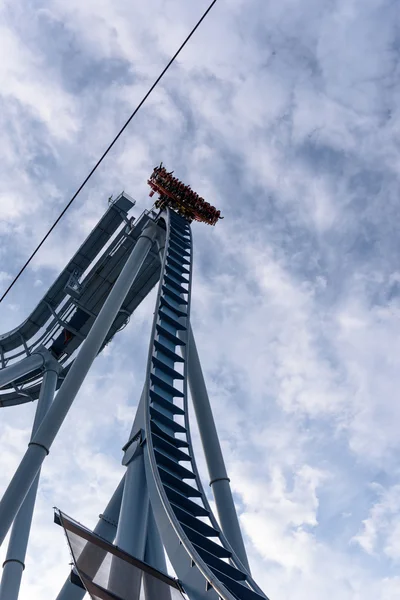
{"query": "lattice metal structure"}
[(160, 504)]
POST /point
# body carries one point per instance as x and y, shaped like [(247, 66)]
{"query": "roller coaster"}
[(185, 201), (160, 503)]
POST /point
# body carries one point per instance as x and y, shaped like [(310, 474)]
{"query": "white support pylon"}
[(14, 564)]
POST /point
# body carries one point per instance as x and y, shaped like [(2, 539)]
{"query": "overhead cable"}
[(106, 152)]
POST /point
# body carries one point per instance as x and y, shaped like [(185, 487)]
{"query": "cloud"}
[(380, 529), (285, 115)]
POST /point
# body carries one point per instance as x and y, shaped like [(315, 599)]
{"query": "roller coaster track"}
[(200, 554), (203, 559), (62, 319)]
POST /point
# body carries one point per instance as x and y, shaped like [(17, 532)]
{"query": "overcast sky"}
[(285, 115)]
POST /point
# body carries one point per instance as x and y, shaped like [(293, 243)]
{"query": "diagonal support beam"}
[(40, 445)]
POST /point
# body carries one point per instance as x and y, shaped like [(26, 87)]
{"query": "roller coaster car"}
[(180, 197)]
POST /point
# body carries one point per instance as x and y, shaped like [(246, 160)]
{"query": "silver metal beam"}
[(44, 437), (106, 528), (219, 480), (132, 524), (14, 564), (155, 556), (21, 368), (132, 529)]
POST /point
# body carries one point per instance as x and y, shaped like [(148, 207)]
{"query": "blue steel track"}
[(202, 557), (195, 544)]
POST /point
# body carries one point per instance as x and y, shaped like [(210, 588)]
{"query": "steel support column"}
[(15, 558), (219, 480), (132, 528), (155, 556), (106, 528), (132, 524), (44, 437)]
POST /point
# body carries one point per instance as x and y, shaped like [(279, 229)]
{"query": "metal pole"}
[(21, 368), (14, 564), (134, 509), (40, 445), (154, 555), (219, 480), (132, 529), (106, 528)]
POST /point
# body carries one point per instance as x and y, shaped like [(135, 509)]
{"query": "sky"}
[(285, 115)]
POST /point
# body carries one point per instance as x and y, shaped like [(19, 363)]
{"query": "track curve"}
[(199, 552), (62, 319)]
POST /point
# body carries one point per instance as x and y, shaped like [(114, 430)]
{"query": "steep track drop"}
[(199, 552)]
